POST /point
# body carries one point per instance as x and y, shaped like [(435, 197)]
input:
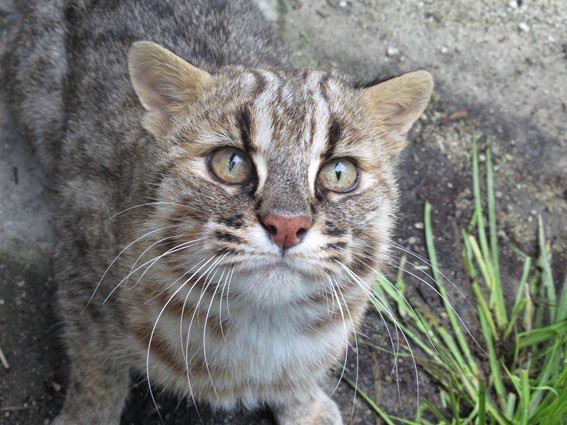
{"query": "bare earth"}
[(501, 73)]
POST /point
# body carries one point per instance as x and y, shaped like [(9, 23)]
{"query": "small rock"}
[(20, 283), (2, 301), (419, 225), (444, 50), (392, 51), (524, 27), (482, 157), (343, 3), (57, 387), (412, 240)]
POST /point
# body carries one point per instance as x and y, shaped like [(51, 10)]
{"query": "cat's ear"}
[(164, 83), (394, 105)]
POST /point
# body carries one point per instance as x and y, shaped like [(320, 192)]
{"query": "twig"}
[(14, 408), (3, 360)]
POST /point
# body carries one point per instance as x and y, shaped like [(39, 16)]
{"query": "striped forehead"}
[(291, 118)]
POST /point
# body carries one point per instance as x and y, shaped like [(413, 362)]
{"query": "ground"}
[(500, 71)]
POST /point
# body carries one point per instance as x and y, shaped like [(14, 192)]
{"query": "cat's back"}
[(68, 70)]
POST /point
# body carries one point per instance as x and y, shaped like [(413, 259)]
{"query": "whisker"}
[(153, 261), (119, 254), (147, 204), (356, 351), (426, 261), (195, 309), (373, 296), (333, 291), (220, 302), (205, 333), (448, 300), (163, 291), (399, 293)]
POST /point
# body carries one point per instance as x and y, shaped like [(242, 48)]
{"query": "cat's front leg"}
[(313, 409), (95, 395), (98, 383)]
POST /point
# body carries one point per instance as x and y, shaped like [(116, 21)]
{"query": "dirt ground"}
[(501, 73)]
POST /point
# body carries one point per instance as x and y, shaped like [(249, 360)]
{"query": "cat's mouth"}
[(285, 266)]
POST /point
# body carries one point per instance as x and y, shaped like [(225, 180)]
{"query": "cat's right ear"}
[(164, 83)]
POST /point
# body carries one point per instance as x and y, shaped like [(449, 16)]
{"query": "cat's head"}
[(282, 182)]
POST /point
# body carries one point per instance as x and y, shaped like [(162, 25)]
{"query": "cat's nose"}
[(286, 231)]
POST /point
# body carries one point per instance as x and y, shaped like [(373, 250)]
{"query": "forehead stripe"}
[(334, 134), (244, 124)]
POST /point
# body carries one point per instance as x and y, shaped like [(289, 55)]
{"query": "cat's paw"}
[(328, 414), (61, 420), (316, 410)]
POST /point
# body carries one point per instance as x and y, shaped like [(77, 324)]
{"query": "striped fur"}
[(162, 267)]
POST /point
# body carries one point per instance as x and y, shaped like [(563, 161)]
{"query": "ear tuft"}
[(164, 83), (396, 104)]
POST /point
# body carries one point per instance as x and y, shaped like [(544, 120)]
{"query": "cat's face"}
[(280, 183)]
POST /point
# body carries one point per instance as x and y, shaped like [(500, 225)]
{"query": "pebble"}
[(343, 3), (2, 301), (524, 27), (392, 51), (412, 240), (482, 157), (419, 225), (444, 50)]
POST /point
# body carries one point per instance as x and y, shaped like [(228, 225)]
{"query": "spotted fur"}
[(163, 267)]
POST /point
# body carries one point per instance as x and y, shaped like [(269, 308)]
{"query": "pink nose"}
[(286, 231)]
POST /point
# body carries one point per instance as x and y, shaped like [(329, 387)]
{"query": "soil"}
[(500, 71)]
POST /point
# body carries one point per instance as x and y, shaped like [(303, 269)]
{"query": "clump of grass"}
[(520, 375)]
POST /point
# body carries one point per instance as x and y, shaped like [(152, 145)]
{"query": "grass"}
[(516, 373)]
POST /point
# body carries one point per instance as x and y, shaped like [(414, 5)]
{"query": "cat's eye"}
[(231, 166), (338, 175)]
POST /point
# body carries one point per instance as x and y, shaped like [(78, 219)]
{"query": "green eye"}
[(231, 166), (338, 175)]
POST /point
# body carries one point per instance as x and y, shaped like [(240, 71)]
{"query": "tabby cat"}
[(221, 214)]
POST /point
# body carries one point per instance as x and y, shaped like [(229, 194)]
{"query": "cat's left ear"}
[(394, 105), (164, 83)]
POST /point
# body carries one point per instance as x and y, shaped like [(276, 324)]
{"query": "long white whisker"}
[(205, 334), (392, 318), (333, 291), (116, 259), (195, 309), (151, 263), (148, 204), (356, 350), (426, 261)]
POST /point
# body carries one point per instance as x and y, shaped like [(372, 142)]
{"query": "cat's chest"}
[(237, 344)]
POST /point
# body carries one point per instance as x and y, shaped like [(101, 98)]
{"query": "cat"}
[(221, 213)]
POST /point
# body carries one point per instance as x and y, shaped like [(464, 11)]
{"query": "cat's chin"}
[(277, 282)]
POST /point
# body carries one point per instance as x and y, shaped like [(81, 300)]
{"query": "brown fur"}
[(164, 268)]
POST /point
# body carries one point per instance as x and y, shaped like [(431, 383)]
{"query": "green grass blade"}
[(381, 413), (491, 212), (455, 327), (547, 277)]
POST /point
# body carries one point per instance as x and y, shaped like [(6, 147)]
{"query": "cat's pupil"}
[(339, 168), (232, 161)]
